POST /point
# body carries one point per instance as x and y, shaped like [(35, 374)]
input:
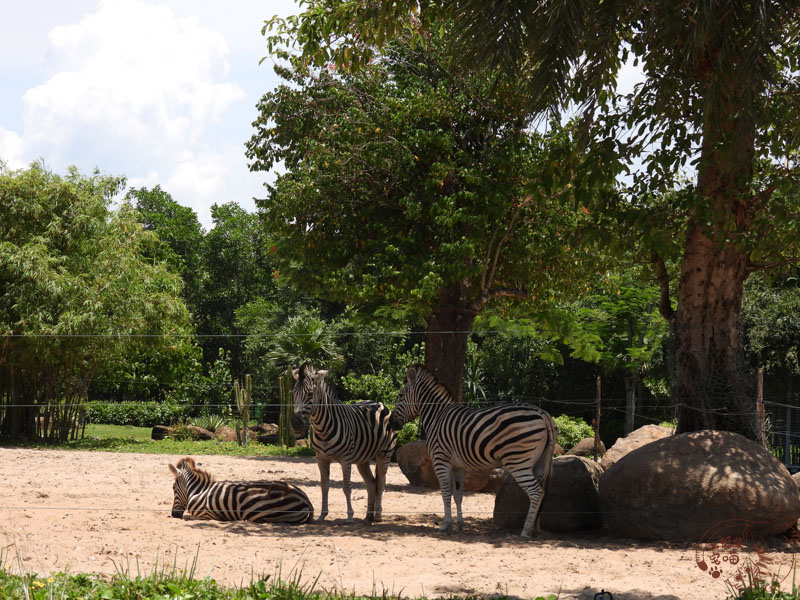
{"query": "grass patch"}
[(123, 438), (167, 586)]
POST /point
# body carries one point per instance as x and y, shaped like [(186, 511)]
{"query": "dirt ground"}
[(99, 512)]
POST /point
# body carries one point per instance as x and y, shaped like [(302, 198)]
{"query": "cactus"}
[(243, 397), (285, 433)]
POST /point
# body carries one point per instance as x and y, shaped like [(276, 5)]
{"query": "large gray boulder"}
[(416, 464), (635, 439), (570, 504), (586, 448), (687, 486)]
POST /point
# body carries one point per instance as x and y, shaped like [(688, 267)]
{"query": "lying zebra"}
[(199, 496), (347, 433), (519, 438)]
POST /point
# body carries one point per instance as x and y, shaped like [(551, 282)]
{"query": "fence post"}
[(596, 421), (787, 447), (760, 406)]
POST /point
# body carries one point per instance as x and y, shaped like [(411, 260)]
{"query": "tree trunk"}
[(713, 390), (446, 340)]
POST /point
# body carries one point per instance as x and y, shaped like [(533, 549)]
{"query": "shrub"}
[(572, 430), (210, 422), (408, 433), (138, 414)]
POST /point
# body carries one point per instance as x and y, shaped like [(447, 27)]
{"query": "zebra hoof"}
[(444, 526), (321, 518)]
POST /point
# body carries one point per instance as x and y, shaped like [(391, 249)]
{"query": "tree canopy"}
[(411, 184), (76, 292), (719, 103)]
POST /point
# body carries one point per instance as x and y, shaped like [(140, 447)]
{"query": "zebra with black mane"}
[(519, 438), (346, 433), (199, 496)]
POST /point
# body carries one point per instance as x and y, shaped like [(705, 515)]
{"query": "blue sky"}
[(161, 91)]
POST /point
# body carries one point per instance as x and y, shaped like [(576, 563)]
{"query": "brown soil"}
[(100, 512)]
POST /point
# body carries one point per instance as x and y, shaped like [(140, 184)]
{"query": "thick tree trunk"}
[(712, 385), (713, 390), (446, 340)]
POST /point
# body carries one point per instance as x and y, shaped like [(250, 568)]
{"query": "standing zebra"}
[(199, 496), (347, 433), (519, 438)]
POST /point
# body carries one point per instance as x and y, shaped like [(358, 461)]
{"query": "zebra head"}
[(407, 407), (306, 380), (189, 480)]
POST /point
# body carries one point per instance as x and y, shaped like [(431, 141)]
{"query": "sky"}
[(160, 91)]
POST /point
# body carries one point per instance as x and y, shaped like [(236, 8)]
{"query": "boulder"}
[(586, 448), (698, 485), (159, 432), (571, 502), (199, 433), (417, 466), (225, 434), (267, 429), (635, 439)]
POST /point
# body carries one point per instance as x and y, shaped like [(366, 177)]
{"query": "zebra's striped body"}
[(346, 433), (519, 438), (198, 496)]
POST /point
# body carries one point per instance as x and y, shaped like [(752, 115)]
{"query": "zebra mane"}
[(330, 392), (440, 389), (188, 463)]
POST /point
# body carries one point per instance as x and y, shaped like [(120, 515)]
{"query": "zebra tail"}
[(545, 463)]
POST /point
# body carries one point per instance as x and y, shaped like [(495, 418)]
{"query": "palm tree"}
[(305, 337)]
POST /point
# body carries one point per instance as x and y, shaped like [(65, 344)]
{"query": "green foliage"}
[(179, 232), (409, 433), (407, 178), (210, 422), (79, 291), (572, 430), (206, 393), (138, 414), (286, 400), (171, 583)]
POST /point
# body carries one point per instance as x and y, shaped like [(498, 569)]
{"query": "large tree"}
[(78, 292), (410, 183), (720, 91)]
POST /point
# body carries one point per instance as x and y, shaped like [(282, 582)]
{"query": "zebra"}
[(199, 496), (346, 433), (519, 438)]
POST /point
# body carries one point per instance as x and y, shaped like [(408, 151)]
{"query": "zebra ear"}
[(296, 374), (320, 375), (411, 374), (173, 469), (306, 369)]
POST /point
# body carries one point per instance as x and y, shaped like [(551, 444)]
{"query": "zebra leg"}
[(369, 483), (324, 481), (347, 488), (381, 468), (444, 474), (458, 490), (531, 484)]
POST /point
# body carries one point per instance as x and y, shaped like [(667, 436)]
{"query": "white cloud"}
[(11, 149), (134, 74)]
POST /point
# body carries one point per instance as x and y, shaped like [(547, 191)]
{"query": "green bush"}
[(138, 414), (408, 433), (572, 430)]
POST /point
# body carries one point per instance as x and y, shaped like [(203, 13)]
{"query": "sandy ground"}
[(99, 512)]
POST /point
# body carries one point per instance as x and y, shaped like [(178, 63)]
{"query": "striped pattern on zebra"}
[(346, 433), (199, 496), (519, 438)]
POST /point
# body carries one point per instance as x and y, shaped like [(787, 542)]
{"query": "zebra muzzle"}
[(299, 425)]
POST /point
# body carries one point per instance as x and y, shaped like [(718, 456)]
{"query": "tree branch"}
[(662, 277)]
